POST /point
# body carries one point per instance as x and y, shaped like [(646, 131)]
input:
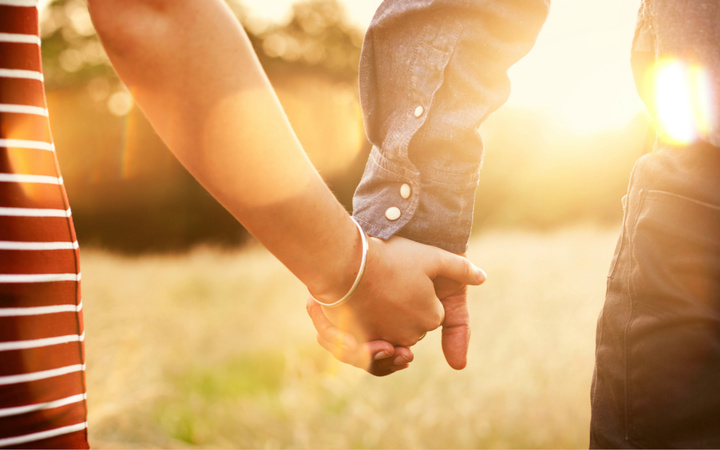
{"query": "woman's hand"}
[(379, 358)]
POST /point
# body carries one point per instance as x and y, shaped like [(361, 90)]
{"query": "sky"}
[(578, 71), (580, 65), (360, 12)]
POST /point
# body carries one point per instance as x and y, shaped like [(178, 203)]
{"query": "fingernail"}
[(381, 355), (481, 275), (400, 360)]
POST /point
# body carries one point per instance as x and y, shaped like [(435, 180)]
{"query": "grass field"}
[(214, 349)]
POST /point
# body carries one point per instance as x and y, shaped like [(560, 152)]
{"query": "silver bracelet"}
[(361, 270)]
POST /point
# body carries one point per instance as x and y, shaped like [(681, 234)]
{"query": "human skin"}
[(194, 74), (382, 358)]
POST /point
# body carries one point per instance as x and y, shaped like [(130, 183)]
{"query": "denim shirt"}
[(430, 72)]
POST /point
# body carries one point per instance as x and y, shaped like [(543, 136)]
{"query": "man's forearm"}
[(431, 72)]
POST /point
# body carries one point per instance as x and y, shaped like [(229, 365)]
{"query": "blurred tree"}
[(318, 37), (72, 53), (128, 192)]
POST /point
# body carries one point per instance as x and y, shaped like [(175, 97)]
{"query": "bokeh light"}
[(578, 74), (682, 100), (120, 103)]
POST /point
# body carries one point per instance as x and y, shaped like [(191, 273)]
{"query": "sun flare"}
[(682, 101)]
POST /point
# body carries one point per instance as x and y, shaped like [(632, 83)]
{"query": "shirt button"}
[(393, 213), (405, 191), (419, 111)]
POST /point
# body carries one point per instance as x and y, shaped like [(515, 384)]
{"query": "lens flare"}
[(683, 100)]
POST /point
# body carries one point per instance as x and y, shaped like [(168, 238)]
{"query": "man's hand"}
[(456, 326), (396, 299), (362, 319)]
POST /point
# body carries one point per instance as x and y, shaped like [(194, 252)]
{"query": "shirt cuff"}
[(424, 204)]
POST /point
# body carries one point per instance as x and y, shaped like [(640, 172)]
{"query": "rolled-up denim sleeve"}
[(430, 72)]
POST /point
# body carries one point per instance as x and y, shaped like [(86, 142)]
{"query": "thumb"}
[(459, 268)]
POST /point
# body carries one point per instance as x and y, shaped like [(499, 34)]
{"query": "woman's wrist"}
[(358, 275), (338, 268)]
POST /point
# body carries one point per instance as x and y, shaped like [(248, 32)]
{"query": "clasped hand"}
[(408, 290)]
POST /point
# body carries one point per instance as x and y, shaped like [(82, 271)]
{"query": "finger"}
[(378, 350), (375, 357), (354, 357), (399, 360), (403, 356), (406, 353), (399, 368), (459, 269), (456, 330), (326, 329)]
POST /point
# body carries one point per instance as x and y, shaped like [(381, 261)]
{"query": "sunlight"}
[(604, 99), (682, 99), (359, 12), (579, 71)]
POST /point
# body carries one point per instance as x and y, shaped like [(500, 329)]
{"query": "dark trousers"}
[(657, 373)]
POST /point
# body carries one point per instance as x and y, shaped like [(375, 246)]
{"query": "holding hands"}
[(217, 112), (407, 290)]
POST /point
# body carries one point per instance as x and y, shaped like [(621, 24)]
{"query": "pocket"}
[(673, 339)]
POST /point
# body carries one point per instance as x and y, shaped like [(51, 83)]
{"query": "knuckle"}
[(467, 269), (407, 339), (433, 320), (440, 314), (437, 323)]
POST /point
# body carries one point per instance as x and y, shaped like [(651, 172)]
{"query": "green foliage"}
[(255, 379), (72, 53), (245, 376), (318, 37), (234, 364), (129, 194)]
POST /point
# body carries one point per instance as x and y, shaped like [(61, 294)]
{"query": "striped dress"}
[(42, 362)]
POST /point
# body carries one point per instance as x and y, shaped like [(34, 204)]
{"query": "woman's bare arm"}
[(193, 72)]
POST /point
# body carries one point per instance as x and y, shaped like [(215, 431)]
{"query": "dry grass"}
[(213, 349)]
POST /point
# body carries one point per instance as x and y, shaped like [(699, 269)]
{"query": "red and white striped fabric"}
[(42, 362)]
